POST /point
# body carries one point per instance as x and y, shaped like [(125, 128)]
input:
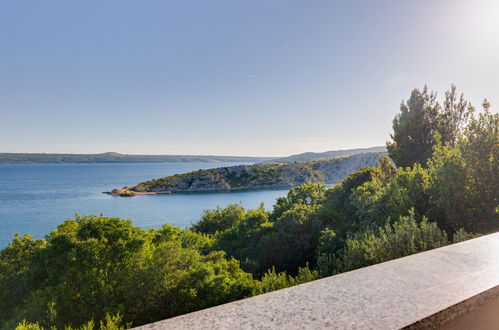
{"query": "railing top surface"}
[(390, 295)]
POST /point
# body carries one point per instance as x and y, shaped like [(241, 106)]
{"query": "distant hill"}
[(257, 176), (113, 157), (308, 156)]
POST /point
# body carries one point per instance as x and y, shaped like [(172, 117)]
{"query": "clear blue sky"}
[(233, 77)]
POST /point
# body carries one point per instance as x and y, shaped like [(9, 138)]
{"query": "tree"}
[(338, 211), (453, 116), (413, 129), (219, 219), (242, 241), (93, 267), (15, 261), (464, 177), (480, 147), (306, 194), (420, 118), (292, 240)]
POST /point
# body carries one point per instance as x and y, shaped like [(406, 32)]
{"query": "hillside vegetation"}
[(257, 176), (308, 156), (98, 272)]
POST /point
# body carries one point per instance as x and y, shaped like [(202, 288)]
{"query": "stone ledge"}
[(425, 290)]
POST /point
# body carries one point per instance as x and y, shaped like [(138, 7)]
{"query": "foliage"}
[(291, 241), (338, 211), (110, 322), (420, 119), (404, 237), (242, 241), (284, 239), (461, 235), (93, 266), (390, 194), (220, 219), (307, 194), (464, 178), (272, 280)]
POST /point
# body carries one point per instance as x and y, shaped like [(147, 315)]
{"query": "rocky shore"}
[(253, 177)]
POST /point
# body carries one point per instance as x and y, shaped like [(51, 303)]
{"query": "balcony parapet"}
[(424, 290)]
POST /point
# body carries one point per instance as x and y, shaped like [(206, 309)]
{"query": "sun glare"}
[(481, 22)]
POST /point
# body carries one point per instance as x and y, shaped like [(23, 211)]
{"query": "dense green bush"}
[(284, 239), (219, 219), (402, 238), (272, 280), (92, 266), (465, 177), (108, 323)]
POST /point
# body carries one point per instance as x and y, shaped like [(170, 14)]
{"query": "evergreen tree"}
[(421, 118)]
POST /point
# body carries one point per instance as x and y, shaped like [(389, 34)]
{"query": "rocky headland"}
[(252, 177)]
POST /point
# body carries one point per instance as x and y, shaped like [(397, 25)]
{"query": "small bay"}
[(35, 198)]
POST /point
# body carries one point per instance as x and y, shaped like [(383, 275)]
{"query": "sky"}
[(232, 77)]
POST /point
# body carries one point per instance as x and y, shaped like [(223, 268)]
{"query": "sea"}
[(35, 198)]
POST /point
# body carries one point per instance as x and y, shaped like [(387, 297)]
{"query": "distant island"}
[(113, 157), (257, 176)]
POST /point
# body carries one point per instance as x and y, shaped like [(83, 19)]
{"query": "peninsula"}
[(252, 177)]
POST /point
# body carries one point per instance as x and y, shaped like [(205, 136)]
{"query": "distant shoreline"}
[(113, 157)]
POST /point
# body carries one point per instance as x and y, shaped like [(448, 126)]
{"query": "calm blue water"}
[(35, 198)]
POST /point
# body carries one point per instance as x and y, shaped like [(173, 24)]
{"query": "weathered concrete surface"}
[(484, 317), (423, 290)]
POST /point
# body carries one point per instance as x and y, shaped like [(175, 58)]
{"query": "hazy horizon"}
[(111, 152), (259, 78)]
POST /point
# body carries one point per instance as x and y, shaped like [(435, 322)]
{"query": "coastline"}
[(131, 193)]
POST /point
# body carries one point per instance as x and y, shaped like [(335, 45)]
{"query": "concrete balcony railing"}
[(454, 287)]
